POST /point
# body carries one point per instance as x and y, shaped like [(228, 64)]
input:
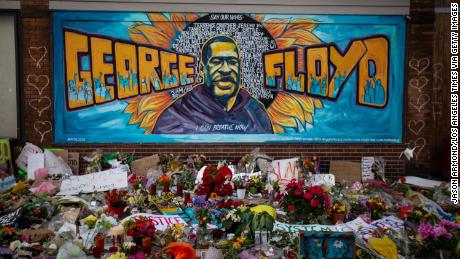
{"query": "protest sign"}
[(95, 182), (291, 228), (284, 170), (366, 168), (364, 230), (142, 166), (161, 222)]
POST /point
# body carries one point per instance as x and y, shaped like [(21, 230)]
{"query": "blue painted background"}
[(339, 121)]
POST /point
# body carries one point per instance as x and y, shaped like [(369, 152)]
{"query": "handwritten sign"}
[(10, 217), (284, 170), (366, 168), (279, 226), (34, 162), (364, 230), (96, 182), (321, 179), (161, 222)]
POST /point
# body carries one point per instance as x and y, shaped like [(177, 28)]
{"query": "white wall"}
[(356, 7), (8, 93)]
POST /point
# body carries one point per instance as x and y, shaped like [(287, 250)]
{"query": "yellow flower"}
[(214, 196), (178, 227), (18, 187), (89, 219), (457, 219), (131, 200)]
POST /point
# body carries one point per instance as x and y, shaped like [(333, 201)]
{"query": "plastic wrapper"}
[(70, 251)]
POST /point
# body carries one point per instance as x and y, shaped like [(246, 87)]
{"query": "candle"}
[(99, 242), (113, 248), (179, 190), (187, 197), (153, 189), (97, 252), (166, 186), (147, 245)]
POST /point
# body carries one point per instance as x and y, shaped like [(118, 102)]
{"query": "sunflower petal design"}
[(287, 109), (145, 110)]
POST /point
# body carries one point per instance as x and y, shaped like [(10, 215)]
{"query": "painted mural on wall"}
[(185, 77)]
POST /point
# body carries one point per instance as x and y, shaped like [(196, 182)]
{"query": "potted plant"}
[(240, 186), (337, 212)]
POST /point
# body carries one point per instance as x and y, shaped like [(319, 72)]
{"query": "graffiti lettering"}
[(100, 70), (369, 55)]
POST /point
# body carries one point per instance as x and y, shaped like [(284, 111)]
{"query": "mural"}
[(185, 77)]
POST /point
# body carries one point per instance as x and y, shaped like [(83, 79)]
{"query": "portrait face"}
[(222, 68)]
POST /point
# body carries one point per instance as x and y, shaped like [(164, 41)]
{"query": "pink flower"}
[(307, 196), (298, 192), (291, 208), (449, 224), (314, 203), (440, 231), (425, 230)]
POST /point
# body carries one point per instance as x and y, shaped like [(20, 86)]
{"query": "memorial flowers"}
[(444, 235), (215, 182), (304, 204), (140, 227), (116, 202), (377, 207)]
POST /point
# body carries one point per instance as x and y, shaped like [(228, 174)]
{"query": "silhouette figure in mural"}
[(219, 104)]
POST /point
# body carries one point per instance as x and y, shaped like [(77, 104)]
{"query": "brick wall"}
[(35, 29)]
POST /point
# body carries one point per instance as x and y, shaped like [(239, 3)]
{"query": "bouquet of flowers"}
[(255, 185), (216, 182), (443, 236), (140, 227), (137, 182), (377, 207), (309, 165), (304, 204), (116, 201), (196, 161)]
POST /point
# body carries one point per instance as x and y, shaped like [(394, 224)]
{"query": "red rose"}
[(314, 203), (403, 180), (307, 196), (291, 208), (292, 184), (298, 192)]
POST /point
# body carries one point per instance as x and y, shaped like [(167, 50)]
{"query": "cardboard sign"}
[(142, 166), (161, 221), (10, 217), (279, 226), (366, 168), (62, 153), (284, 170), (345, 170), (56, 165), (74, 162), (327, 245), (321, 179), (96, 182), (34, 162)]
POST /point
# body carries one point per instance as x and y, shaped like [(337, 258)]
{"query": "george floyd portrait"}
[(219, 104)]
